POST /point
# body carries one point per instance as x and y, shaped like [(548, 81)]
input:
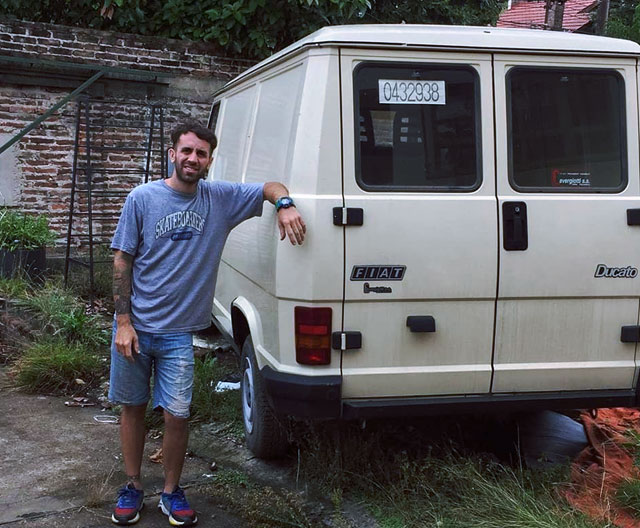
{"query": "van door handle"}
[(514, 226), (421, 323), (633, 217)]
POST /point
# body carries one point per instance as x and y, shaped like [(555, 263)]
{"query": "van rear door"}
[(567, 159), (421, 270)]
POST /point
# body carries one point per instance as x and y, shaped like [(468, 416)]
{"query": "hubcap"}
[(247, 396)]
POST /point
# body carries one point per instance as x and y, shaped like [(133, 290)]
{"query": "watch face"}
[(284, 203)]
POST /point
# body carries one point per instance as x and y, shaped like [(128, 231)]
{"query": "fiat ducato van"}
[(472, 197)]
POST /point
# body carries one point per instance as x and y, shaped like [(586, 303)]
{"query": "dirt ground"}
[(58, 461)]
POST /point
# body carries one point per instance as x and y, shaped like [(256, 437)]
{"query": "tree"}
[(624, 20), (248, 28)]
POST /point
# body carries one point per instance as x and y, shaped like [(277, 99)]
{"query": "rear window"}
[(567, 130), (417, 127)]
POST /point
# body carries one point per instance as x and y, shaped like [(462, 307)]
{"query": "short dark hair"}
[(193, 126)]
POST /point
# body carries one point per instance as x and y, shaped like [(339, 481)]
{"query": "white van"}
[(472, 197)]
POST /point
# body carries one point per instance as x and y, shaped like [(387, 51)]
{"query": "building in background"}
[(577, 16)]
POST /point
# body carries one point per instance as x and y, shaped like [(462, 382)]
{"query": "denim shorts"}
[(169, 357)]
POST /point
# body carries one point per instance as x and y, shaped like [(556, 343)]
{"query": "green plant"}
[(65, 316), (407, 482), (54, 365), (248, 28), (261, 506), (23, 231), (628, 495), (206, 403), (50, 300), (13, 288), (76, 326), (632, 443)]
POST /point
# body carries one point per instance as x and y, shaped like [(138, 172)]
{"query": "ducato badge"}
[(604, 271)]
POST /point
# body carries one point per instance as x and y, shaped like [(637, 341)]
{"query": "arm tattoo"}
[(122, 282)]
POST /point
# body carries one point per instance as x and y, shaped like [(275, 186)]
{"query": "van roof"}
[(454, 38)]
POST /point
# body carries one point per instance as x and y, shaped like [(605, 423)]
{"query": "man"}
[(167, 249)]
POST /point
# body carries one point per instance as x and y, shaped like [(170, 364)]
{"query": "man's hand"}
[(291, 224), (127, 341)]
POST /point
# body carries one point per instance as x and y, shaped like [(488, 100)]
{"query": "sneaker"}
[(130, 502), (175, 505)]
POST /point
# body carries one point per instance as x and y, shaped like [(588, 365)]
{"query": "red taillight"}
[(313, 335)]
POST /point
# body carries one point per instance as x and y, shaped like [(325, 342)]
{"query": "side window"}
[(275, 126), (417, 127), (566, 129), (213, 117), (234, 135)]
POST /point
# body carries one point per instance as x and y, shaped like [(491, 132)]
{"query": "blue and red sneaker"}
[(175, 505), (130, 502)]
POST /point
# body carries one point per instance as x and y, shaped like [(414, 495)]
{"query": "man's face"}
[(191, 157)]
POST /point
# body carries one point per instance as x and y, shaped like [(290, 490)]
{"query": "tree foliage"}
[(624, 20), (248, 28)]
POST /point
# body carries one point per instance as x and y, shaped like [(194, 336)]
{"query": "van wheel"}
[(266, 437)]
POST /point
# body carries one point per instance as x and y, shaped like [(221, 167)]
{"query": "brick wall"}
[(36, 172)]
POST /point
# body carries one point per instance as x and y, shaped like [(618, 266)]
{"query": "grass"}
[(100, 491), (52, 366), (628, 492), (64, 315), (628, 496), (408, 483), (632, 444), (208, 405), (261, 506), (13, 288), (64, 341)]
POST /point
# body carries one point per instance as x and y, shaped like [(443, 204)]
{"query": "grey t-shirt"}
[(176, 240)]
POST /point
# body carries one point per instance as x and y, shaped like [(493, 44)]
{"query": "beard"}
[(190, 177)]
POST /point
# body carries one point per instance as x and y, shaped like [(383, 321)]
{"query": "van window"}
[(275, 127), (213, 118), (234, 135), (417, 127), (567, 130)]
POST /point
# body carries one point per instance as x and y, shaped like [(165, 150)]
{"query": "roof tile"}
[(531, 14)]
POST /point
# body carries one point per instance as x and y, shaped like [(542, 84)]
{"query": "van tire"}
[(263, 429)]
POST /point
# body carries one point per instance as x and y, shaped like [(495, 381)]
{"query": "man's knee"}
[(175, 422), (134, 411)]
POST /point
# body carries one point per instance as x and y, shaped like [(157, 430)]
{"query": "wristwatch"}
[(284, 203)]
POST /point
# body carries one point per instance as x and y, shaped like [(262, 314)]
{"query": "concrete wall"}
[(35, 175)]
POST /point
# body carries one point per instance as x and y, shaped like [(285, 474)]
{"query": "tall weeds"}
[(55, 365), (413, 484), (63, 315)]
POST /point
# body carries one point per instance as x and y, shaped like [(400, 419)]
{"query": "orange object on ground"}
[(599, 468)]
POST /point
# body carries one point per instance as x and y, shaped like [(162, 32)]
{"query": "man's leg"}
[(132, 436), (129, 386), (172, 392), (174, 448)]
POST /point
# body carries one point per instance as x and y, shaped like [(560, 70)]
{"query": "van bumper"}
[(490, 403), (303, 396), (321, 397)]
